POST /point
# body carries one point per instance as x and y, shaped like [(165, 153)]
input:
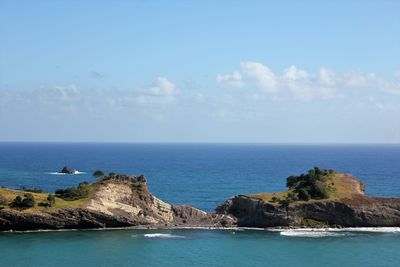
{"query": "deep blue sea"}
[(201, 175)]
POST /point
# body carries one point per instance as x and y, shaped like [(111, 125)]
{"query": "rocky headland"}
[(115, 200), (320, 198)]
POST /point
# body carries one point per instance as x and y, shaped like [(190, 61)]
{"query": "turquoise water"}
[(197, 248), (202, 176)]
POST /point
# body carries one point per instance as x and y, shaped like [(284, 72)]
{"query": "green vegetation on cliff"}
[(315, 185), (311, 185), (98, 173), (23, 203), (75, 193)]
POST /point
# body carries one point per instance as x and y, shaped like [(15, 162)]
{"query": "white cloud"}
[(163, 87), (295, 83), (293, 73), (71, 98), (60, 93), (264, 77), (162, 92), (397, 74), (387, 107), (234, 80), (356, 79), (326, 77)]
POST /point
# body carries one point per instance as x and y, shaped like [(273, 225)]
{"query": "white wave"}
[(164, 236), (60, 173), (370, 229), (344, 229), (295, 233), (313, 232)]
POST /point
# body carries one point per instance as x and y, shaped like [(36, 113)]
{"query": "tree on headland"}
[(98, 173), (17, 202), (303, 194), (311, 185), (74, 193), (51, 199), (27, 202)]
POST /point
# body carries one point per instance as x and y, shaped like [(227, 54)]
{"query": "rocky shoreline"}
[(124, 201)]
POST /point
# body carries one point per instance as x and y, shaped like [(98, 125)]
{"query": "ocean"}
[(201, 175)]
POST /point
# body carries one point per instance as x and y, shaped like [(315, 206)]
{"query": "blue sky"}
[(204, 71)]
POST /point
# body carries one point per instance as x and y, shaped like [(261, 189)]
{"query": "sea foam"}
[(164, 236), (327, 232), (296, 233), (60, 173)]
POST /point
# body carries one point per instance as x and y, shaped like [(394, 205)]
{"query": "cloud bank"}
[(298, 84), (71, 97)]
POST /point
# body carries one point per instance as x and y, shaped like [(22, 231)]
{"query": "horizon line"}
[(199, 142)]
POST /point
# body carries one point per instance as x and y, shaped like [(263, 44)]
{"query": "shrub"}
[(284, 202), (74, 193), (312, 185), (17, 202), (274, 199), (137, 187), (292, 181), (51, 199), (98, 173), (304, 195), (44, 204), (291, 196), (27, 202), (319, 190)]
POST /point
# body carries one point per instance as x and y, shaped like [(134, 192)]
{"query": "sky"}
[(200, 71)]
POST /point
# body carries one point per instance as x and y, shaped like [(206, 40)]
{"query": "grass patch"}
[(272, 198), (8, 195)]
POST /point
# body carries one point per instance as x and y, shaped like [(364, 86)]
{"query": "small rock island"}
[(67, 170), (319, 198)]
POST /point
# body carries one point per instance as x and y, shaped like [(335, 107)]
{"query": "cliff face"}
[(354, 209), (128, 197), (116, 201)]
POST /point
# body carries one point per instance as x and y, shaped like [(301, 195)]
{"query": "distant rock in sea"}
[(67, 170)]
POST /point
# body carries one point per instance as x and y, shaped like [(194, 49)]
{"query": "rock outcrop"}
[(67, 170), (353, 210)]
